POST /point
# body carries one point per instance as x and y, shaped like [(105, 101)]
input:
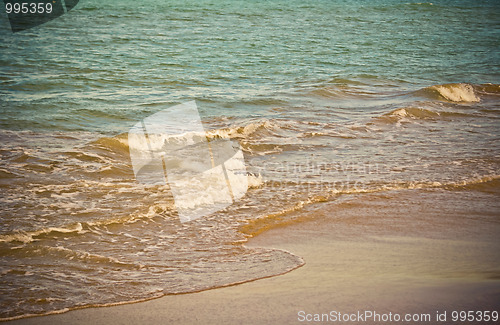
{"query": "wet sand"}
[(399, 253)]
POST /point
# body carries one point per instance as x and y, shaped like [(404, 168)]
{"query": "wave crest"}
[(416, 113), (457, 92), (261, 127)]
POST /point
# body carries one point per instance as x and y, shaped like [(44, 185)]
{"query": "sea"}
[(328, 100)]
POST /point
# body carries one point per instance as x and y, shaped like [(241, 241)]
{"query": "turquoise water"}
[(119, 58), (327, 99)]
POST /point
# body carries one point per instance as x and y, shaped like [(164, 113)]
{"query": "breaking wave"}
[(418, 113), (456, 92)]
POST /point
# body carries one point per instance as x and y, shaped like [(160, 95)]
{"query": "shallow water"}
[(327, 100)]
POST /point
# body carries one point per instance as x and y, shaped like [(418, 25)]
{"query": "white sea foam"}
[(26, 237), (457, 92)]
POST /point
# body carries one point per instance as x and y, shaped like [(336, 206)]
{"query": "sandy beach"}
[(389, 265), (249, 162)]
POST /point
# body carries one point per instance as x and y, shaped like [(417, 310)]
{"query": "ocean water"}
[(328, 99)]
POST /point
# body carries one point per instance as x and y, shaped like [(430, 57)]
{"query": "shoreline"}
[(351, 265), (68, 310)]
